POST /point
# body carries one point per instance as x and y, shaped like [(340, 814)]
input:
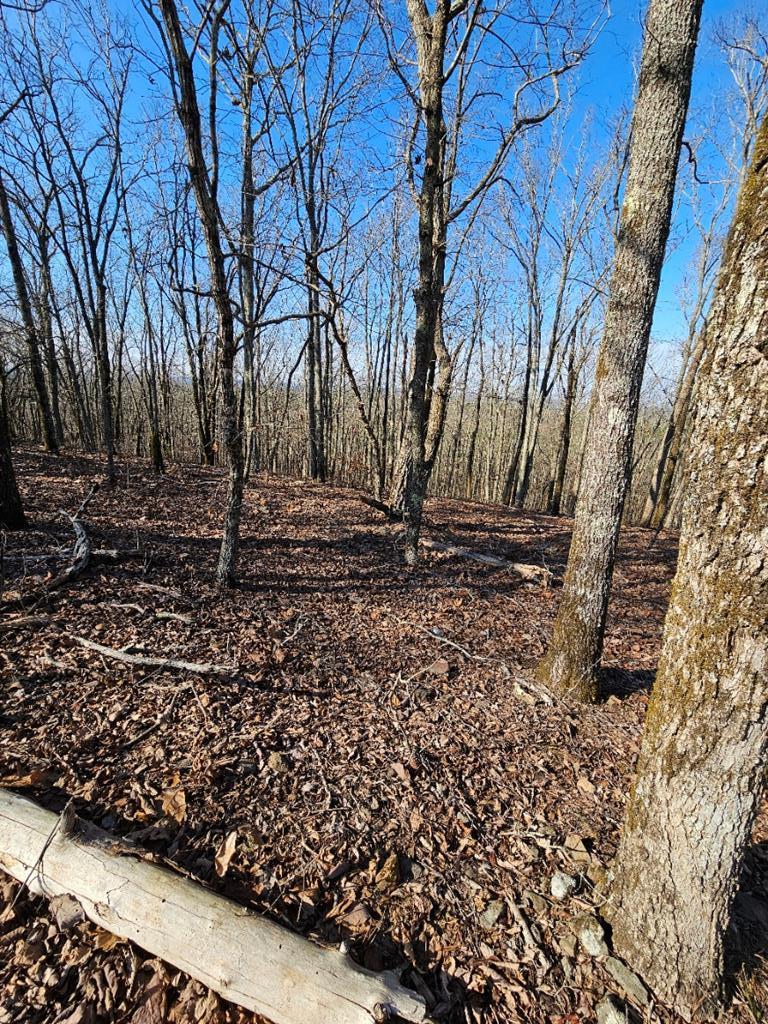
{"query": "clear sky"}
[(607, 83)]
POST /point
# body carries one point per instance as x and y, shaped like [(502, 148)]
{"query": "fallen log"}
[(247, 959), (522, 569), (147, 661)]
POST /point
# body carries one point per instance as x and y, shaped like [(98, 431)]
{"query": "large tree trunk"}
[(571, 663), (50, 434), (703, 757)]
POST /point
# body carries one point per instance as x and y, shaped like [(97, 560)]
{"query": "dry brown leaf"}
[(67, 911), (224, 853), (389, 875), (175, 804), (33, 778), (106, 940)]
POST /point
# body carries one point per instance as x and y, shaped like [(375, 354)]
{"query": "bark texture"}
[(571, 663), (705, 745)]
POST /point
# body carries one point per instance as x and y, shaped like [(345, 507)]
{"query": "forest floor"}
[(389, 781)]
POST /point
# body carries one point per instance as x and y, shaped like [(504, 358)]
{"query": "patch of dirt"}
[(392, 779)]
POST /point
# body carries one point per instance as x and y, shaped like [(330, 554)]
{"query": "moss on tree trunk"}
[(705, 744)]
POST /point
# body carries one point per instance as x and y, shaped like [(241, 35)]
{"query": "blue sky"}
[(607, 83)]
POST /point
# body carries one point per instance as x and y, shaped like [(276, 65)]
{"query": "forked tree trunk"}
[(705, 744), (571, 663)]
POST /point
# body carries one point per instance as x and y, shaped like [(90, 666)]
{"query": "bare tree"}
[(30, 327), (204, 186), (671, 29), (702, 764)]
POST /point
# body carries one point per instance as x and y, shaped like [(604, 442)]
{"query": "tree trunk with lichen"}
[(572, 661), (705, 744)]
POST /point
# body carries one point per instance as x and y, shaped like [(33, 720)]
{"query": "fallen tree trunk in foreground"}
[(246, 959), (522, 569)]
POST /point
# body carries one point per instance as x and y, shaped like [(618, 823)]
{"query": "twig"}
[(526, 930)]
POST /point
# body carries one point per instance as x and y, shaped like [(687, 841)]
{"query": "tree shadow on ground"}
[(618, 682), (746, 941)]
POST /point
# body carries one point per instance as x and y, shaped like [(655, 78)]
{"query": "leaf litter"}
[(378, 771)]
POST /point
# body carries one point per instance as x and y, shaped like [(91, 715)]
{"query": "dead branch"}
[(145, 661), (23, 622), (522, 569)]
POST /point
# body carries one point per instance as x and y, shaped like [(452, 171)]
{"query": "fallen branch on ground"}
[(200, 668), (82, 553), (522, 569), (97, 555), (245, 958), (23, 622)]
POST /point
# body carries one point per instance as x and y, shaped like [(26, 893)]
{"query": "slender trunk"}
[(657, 505), (11, 510), (417, 462), (702, 765), (202, 185), (509, 482), (50, 434), (565, 439), (572, 661), (105, 382), (48, 341)]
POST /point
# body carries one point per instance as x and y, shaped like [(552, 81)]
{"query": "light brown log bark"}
[(705, 744), (571, 664)]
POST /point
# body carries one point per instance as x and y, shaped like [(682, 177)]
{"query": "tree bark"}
[(705, 745), (564, 445), (572, 661)]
